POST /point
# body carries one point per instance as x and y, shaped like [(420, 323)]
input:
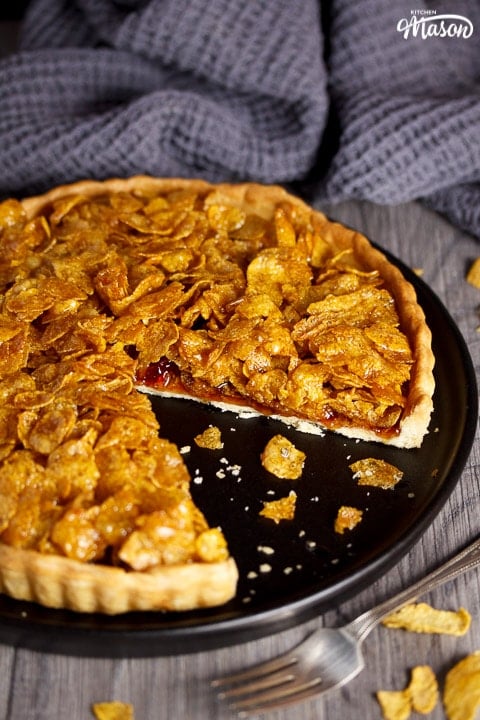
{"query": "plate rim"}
[(227, 627)]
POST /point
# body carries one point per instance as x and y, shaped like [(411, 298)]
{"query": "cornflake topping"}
[(101, 294)]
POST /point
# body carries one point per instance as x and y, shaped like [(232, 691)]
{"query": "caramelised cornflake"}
[(281, 509), (421, 696), (211, 438), (376, 472), (281, 458), (422, 618), (461, 692), (113, 710), (347, 518)]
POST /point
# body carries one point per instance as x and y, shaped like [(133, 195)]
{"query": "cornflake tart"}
[(237, 295)]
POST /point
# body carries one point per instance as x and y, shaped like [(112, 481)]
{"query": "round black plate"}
[(291, 571)]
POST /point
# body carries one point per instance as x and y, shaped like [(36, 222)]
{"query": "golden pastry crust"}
[(59, 582), (139, 580)]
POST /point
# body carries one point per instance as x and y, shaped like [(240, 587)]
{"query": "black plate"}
[(311, 567)]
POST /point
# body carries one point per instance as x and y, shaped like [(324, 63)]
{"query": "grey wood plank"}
[(50, 687)]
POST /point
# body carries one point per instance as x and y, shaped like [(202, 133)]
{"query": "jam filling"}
[(166, 373), (159, 374)]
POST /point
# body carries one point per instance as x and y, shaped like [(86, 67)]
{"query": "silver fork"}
[(329, 657)]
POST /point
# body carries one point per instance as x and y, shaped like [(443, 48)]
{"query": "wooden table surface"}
[(38, 686)]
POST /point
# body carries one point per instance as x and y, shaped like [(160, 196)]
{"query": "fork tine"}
[(263, 683), (256, 671), (276, 697)]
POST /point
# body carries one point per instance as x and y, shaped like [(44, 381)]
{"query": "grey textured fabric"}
[(331, 97)]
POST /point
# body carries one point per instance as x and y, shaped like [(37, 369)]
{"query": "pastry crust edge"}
[(60, 582)]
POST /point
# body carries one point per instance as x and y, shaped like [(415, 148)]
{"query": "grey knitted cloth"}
[(335, 97)]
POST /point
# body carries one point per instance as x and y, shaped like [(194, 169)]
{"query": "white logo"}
[(427, 24)]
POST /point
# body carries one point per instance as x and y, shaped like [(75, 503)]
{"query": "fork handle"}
[(466, 559)]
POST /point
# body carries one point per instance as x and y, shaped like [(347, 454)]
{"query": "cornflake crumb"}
[(281, 458), (265, 568), (376, 472), (211, 438), (281, 509), (185, 449), (265, 549), (347, 518), (252, 575)]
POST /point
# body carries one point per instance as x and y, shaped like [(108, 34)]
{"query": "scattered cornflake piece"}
[(347, 518), (281, 458), (211, 438), (422, 618), (113, 711), (461, 694), (423, 689), (376, 472), (421, 695), (281, 509), (395, 704), (473, 275)]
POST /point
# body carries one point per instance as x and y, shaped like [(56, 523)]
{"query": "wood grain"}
[(38, 686)]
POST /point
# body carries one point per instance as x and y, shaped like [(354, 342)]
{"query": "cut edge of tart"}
[(95, 586)]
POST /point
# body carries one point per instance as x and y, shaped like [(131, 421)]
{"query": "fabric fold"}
[(352, 100)]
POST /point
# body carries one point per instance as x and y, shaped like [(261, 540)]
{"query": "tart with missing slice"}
[(237, 295)]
